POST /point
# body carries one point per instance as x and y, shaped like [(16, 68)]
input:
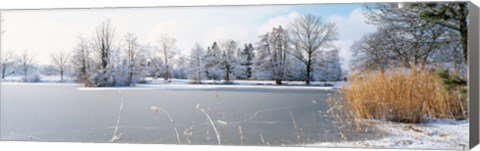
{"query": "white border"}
[(39, 4), (47, 4)]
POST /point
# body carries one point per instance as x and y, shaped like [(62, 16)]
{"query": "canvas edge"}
[(473, 82)]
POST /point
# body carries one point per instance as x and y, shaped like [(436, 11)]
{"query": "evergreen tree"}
[(246, 61), (212, 62)]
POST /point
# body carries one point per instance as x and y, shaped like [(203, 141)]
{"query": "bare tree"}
[(197, 63), (60, 60), (309, 37), (401, 33), (372, 52), (156, 62), (6, 61), (26, 61), (167, 51), (81, 61), (452, 15), (133, 53), (103, 42)]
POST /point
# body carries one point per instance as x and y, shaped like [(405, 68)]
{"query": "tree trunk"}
[(166, 73), (25, 74), (278, 82), (199, 70), (464, 31), (249, 72), (198, 76), (307, 77), (227, 78), (3, 71), (166, 67), (130, 76), (61, 74)]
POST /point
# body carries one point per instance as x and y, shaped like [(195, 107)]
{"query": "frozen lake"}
[(242, 116)]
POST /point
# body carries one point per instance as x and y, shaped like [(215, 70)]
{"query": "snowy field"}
[(434, 134), (41, 79), (241, 82), (238, 84), (186, 84)]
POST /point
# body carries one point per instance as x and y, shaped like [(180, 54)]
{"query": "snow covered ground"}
[(160, 83), (239, 82), (210, 84), (434, 134), (42, 79)]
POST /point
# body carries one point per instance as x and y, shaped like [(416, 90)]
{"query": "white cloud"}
[(277, 21), (350, 28)]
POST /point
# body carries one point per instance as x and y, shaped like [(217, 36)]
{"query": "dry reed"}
[(401, 96)]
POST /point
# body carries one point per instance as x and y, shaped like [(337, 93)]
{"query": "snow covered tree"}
[(330, 68), (279, 45), (135, 58), (229, 62), (27, 62), (48, 70), (118, 68), (272, 58), (196, 63), (81, 62), (310, 36), (180, 67), (103, 48), (155, 62), (60, 60), (246, 61), (212, 62), (6, 61), (167, 51), (262, 64)]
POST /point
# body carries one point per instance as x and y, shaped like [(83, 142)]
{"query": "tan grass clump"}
[(401, 96)]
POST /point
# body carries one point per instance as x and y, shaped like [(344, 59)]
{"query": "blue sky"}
[(42, 32), (327, 10)]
